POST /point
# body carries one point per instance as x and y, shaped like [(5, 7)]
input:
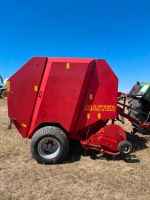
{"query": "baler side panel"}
[(101, 98), (24, 85), (82, 96), (62, 92)]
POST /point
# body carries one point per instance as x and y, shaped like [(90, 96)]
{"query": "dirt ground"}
[(82, 176)]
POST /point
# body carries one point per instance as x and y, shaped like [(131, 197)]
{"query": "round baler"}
[(52, 100)]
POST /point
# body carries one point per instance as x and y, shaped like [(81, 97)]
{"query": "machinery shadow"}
[(138, 141), (75, 152)]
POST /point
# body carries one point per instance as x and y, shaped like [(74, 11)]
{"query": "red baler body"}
[(74, 93)]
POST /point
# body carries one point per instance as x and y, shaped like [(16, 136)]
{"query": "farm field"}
[(87, 176)]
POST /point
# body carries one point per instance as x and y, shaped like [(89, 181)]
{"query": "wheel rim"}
[(126, 149), (48, 148)]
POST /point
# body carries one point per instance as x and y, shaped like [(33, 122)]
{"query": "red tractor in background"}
[(52, 100)]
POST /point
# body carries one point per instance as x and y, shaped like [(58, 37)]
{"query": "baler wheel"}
[(125, 147), (49, 145)]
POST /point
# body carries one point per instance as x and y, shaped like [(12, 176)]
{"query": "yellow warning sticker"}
[(24, 125), (35, 88), (8, 86), (88, 115), (91, 96), (99, 116), (67, 65)]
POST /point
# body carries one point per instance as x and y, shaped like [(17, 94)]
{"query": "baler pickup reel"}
[(111, 139)]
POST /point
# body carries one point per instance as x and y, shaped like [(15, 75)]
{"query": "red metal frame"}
[(106, 140)]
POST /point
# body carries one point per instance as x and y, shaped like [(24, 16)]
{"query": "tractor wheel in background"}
[(49, 145), (125, 147), (137, 105), (4, 94)]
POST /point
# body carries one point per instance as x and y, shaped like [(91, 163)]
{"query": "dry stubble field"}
[(82, 176)]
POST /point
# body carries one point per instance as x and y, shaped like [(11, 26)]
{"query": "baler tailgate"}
[(25, 83)]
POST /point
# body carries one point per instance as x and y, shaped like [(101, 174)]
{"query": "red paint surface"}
[(106, 139), (63, 93), (22, 97), (104, 87)]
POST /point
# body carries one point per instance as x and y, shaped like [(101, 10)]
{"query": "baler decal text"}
[(103, 108)]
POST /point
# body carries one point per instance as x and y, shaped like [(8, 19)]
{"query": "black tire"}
[(137, 105), (125, 147), (43, 142), (4, 94)]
